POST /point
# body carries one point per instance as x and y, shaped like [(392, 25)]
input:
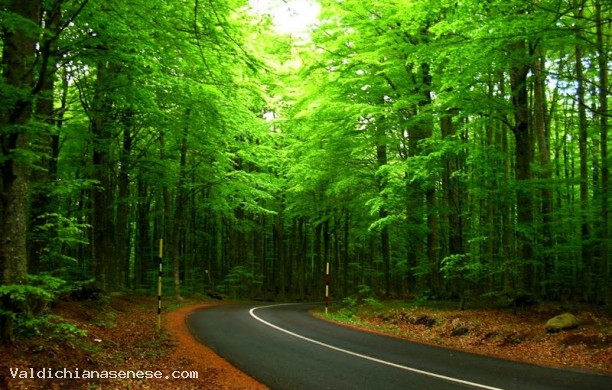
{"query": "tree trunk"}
[(41, 202), (381, 159), (293, 272), (545, 171), (318, 266), (603, 113), (102, 194), (18, 61), (301, 262), (426, 130), (345, 251), (166, 202), (143, 239), (177, 220), (454, 196), (123, 207), (585, 227), (279, 246), (523, 155)]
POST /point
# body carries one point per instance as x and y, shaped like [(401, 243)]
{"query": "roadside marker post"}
[(326, 286), (159, 283)]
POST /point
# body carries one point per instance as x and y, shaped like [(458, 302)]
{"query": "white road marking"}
[(366, 357)]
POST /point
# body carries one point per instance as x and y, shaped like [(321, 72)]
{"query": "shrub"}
[(27, 306)]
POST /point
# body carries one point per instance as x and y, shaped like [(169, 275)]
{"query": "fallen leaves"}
[(499, 333), (122, 336)]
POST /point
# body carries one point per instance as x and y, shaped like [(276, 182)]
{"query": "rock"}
[(215, 295), (423, 320), (459, 331), (86, 291), (561, 322)]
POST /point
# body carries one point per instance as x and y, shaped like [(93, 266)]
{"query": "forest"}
[(422, 148)]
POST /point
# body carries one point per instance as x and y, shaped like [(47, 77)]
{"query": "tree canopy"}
[(427, 148)]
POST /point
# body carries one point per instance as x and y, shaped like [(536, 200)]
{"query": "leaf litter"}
[(121, 336), (495, 332)]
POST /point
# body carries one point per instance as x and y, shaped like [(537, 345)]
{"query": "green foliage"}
[(349, 303), (347, 310), (54, 286), (240, 282), (107, 320), (59, 234), (28, 306), (351, 306), (385, 143), (22, 300), (363, 297), (32, 299), (51, 325), (372, 303), (461, 266)]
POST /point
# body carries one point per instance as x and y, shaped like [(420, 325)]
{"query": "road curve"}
[(285, 348)]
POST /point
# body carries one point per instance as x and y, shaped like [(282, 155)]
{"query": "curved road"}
[(284, 347)]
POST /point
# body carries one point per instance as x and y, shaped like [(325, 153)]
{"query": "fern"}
[(27, 306)]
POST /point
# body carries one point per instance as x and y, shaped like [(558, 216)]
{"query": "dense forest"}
[(421, 148)]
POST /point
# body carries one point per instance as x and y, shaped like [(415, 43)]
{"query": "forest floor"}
[(122, 336), (504, 333)]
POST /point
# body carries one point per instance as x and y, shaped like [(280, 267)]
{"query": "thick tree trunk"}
[(18, 61), (102, 194), (41, 201), (426, 131), (545, 172), (523, 157), (585, 226), (454, 195)]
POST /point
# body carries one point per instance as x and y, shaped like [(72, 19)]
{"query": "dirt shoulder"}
[(121, 336), (220, 374), (500, 333)]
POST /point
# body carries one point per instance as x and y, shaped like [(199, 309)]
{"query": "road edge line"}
[(359, 355)]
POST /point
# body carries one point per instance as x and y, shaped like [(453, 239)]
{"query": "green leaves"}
[(27, 305), (384, 144), (24, 295), (241, 280)]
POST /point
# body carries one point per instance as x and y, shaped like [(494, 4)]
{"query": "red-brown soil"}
[(122, 335), (501, 333)]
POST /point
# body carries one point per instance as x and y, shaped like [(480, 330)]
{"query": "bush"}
[(26, 306), (364, 297), (373, 303), (86, 291), (240, 282)]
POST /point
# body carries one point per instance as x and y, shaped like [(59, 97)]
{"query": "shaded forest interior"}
[(421, 148)]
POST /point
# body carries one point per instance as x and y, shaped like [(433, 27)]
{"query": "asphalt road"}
[(284, 347)]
